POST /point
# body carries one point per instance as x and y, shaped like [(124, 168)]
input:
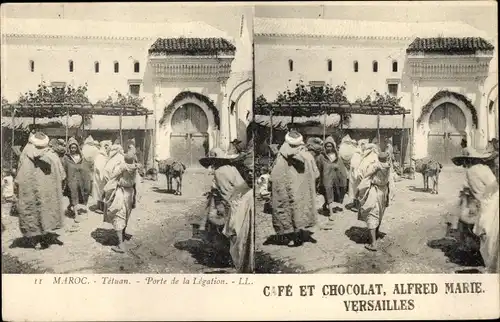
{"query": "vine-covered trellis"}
[(427, 108), (52, 102), (323, 100)]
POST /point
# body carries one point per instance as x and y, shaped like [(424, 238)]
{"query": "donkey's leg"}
[(179, 184)]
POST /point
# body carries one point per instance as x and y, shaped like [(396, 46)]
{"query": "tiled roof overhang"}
[(449, 45), (192, 46)]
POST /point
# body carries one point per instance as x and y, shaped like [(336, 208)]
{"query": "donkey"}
[(429, 168), (173, 170)]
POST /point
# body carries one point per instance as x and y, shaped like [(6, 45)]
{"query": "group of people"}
[(301, 170), (51, 169)]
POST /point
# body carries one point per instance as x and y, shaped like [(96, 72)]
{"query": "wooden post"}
[(144, 142), (12, 141), (121, 132), (410, 138), (270, 132), (83, 125), (401, 144), (324, 126), (154, 148), (67, 121), (378, 130)]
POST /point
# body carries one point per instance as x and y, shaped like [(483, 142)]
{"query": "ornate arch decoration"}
[(427, 108), (190, 95)]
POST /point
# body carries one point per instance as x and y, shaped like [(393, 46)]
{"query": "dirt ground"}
[(414, 227), (161, 238)]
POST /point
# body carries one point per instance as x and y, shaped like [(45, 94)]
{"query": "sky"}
[(479, 14), (226, 17)]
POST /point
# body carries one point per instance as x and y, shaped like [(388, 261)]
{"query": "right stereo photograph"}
[(376, 139)]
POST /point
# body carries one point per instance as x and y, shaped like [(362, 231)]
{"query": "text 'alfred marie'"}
[(373, 290)]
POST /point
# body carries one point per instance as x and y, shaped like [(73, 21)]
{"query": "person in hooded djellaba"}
[(78, 181), (121, 197), (293, 182), (39, 191), (231, 211), (333, 176)]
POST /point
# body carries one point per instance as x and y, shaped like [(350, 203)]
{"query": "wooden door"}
[(189, 135), (447, 125)]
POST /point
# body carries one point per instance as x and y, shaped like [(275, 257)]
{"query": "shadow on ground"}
[(204, 253), (24, 242), (417, 189), (164, 191), (451, 249), (107, 237)]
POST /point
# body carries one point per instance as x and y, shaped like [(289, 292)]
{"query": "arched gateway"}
[(189, 136), (447, 127)]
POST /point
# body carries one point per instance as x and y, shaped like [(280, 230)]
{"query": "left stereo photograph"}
[(126, 141)]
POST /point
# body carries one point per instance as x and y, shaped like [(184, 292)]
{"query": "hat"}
[(216, 155), (39, 140), (61, 141), (383, 156), (473, 156), (294, 138), (314, 144)]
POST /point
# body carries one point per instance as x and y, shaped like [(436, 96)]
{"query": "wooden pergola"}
[(60, 109), (310, 109)]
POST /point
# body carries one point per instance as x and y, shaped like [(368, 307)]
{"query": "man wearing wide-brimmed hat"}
[(39, 191), (480, 205), (230, 208)]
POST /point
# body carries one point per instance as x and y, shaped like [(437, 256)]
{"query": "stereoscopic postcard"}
[(263, 160)]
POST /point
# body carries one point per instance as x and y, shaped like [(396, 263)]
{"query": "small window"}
[(393, 89), (117, 67), (356, 66), (375, 66), (71, 66), (134, 89), (96, 67), (394, 66), (290, 65), (136, 67), (329, 65), (32, 66)]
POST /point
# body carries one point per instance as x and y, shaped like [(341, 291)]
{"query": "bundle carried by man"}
[(346, 149)]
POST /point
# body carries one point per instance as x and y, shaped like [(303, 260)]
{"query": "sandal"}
[(371, 248)]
